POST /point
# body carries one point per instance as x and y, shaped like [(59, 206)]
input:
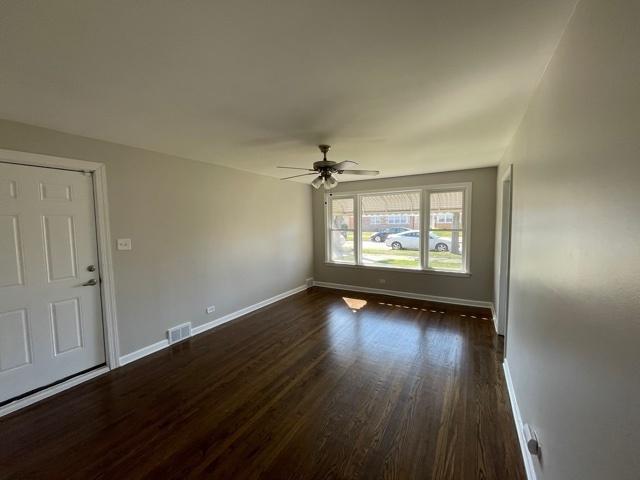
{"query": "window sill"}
[(395, 269)]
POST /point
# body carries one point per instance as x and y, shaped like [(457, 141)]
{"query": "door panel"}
[(15, 348), (59, 246), (65, 322), (52, 192), (50, 322), (8, 189), (11, 269)]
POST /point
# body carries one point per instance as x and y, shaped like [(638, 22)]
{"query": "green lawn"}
[(445, 260), (400, 262), (387, 250)]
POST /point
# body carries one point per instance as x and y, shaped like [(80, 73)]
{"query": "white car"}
[(411, 241)]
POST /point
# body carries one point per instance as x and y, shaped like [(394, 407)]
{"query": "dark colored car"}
[(382, 235)]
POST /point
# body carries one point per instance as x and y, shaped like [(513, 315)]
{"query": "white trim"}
[(357, 229), (144, 351), (467, 193), (38, 160), (42, 394), (396, 293), (107, 278), (450, 273), (103, 238), (505, 254), (435, 186), (246, 310), (149, 349), (494, 317), (425, 222), (328, 228), (517, 418)]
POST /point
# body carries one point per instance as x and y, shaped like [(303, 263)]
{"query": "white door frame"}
[(505, 253), (107, 287)]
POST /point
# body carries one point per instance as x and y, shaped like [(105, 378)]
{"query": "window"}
[(398, 247), (341, 230), (446, 230), (385, 229), (398, 219)]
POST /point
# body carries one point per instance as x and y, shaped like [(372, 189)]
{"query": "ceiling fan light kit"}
[(326, 170), (317, 182), (330, 183)]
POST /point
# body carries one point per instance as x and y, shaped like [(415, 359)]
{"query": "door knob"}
[(90, 283)]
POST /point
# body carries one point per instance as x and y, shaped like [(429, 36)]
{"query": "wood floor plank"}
[(312, 387)]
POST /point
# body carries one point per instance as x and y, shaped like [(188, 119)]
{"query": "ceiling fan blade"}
[(360, 172), (298, 168), (301, 175), (341, 165)]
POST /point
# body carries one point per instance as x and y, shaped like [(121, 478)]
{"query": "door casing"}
[(505, 253), (107, 287)]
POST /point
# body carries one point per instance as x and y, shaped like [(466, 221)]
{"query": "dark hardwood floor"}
[(304, 388)]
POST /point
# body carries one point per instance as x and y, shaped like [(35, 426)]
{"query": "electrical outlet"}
[(211, 309), (124, 244)]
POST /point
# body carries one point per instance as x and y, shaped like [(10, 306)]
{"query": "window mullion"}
[(357, 240), (426, 222), (327, 223)]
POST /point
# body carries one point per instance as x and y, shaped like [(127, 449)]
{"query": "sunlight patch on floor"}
[(354, 303)]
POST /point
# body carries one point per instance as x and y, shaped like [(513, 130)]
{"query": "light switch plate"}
[(124, 244)]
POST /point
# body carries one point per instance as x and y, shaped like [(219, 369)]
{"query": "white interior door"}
[(50, 307)]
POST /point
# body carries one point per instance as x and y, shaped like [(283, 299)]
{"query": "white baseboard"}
[(494, 317), (149, 349), (528, 460), (244, 311), (143, 352), (41, 395), (416, 296)]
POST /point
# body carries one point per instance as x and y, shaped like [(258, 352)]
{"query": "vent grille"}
[(178, 333)]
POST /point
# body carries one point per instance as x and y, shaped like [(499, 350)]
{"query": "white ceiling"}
[(401, 86)]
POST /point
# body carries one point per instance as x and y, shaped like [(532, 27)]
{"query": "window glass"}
[(446, 230), (391, 232), (446, 210), (386, 244), (341, 230)]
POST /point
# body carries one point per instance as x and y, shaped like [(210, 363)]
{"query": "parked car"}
[(410, 240), (382, 235)]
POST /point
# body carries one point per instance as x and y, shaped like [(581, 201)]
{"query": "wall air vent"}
[(178, 333)]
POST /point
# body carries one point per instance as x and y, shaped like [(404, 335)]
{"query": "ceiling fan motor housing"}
[(324, 166)]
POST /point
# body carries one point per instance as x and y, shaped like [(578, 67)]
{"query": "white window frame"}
[(329, 228), (465, 188), (425, 211)]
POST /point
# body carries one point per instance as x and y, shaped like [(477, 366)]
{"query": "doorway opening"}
[(505, 255)]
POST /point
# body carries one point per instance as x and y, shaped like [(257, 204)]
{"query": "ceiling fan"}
[(326, 169)]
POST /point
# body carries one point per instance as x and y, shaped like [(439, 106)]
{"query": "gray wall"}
[(201, 234), (477, 286), (573, 343)]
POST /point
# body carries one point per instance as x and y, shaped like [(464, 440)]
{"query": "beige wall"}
[(477, 286), (573, 344), (202, 234)]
